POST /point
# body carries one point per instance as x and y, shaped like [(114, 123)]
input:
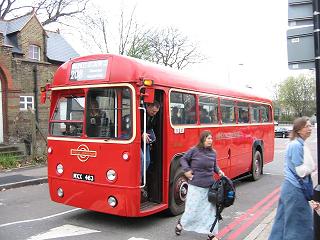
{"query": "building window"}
[(34, 52), (26, 102)]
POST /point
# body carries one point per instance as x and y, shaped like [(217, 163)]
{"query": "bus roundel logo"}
[(83, 153)]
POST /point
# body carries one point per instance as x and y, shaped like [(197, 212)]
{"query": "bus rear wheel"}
[(178, 193), (256, 166)]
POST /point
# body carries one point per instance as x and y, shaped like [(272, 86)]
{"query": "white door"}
[(1, 115)]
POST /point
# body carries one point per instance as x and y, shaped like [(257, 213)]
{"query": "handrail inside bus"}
[(144, 146)]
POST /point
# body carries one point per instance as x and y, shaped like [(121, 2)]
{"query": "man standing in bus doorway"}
[(152, 110)]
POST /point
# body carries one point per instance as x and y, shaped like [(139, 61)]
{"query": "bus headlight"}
[(112, 201), (50, 150), (125, 156), (111, 175), (60, 192), (59, 168)]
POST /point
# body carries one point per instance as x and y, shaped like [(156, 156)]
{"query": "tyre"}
[(256, 170), (178, 193)]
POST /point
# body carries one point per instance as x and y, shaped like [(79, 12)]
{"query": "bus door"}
[(226, 135), (153, 184), (242, 140), (222, 146)]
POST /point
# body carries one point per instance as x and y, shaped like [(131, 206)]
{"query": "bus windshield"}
[(103, 113)]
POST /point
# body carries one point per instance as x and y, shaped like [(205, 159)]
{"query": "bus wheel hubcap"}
[(257, 163), (181, 190)]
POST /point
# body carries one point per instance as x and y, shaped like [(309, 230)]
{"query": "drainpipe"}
[(35, 91)]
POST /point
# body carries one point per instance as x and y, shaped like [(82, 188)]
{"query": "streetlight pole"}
[(316, 34)]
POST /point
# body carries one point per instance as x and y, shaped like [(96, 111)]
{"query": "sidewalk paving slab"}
[(262, 231)]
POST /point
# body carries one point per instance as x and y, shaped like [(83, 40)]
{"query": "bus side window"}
[(227, 111), (265, 113), (243, 112), (190, 109), (176, 115), (186, 104), (254, 113), (208, 109)]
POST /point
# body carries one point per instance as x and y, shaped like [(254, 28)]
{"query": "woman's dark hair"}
[(298, 124), (203, 137)]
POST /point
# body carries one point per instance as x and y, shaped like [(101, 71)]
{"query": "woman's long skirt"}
[(294, 218), (199, 213)]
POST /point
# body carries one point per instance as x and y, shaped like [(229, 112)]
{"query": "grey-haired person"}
[(294, 218)]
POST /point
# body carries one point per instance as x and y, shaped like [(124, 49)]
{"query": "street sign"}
[(300, 44), (300, 13), (300, 40)]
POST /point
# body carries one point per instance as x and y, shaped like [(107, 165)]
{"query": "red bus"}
[(95, 164)]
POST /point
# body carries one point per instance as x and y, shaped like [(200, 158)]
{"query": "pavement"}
[(21, 177), (262, 231)]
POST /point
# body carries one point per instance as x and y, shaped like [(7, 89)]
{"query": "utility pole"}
[(316, 35), (303, 42)]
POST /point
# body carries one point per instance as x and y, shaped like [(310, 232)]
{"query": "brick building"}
[(29, 56)]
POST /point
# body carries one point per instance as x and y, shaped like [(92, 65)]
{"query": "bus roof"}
[(123, 69)]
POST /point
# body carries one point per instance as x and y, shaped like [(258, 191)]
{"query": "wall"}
[(21, 72)]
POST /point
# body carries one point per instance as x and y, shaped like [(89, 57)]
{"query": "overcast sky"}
[(244, 40)]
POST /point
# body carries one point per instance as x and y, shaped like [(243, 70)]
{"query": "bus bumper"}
[(93, 196)]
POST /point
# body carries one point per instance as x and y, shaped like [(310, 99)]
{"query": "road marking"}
[(249, 213), (39, 219), (279, 150), (272, 174), (133, 238), (251, 220), (63, 231)]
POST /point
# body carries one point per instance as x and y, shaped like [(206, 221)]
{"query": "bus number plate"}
[(83, 177)]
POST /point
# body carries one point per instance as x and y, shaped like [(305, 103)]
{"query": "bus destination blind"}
[(90, 70)]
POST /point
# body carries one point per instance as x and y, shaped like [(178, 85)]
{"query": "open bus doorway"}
[(153, 188)]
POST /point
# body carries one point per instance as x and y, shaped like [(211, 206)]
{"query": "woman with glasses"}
[(294, 214)]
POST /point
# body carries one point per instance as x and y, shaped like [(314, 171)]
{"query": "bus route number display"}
[(90, 70)]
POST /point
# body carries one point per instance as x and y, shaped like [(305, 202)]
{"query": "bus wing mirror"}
[(43, 91), (43, 97), (148, 95)]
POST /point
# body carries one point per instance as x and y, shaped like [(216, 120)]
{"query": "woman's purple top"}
[(203, 163)]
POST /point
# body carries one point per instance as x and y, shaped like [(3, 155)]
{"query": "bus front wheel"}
[(256, 166), (178, 193)]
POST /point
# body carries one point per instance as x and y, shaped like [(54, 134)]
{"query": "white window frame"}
[(34, 52), (25, 102)]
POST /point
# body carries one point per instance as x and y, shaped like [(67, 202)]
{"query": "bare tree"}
[(8, 7), (95, 32), (115, 36), (125, 30), (171, 48), (49, 11), (140, 45), (166, 46)]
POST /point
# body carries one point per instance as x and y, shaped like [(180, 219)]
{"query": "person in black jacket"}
[(149, 136), (94, 119)]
